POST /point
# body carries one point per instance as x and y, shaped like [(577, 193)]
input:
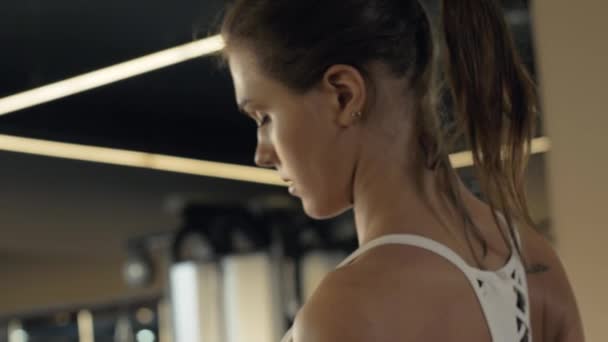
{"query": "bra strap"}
[(412, 240)]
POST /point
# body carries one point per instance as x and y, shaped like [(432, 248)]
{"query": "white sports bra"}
[(502, 294)]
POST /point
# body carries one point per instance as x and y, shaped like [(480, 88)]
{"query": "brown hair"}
[(494, 99)]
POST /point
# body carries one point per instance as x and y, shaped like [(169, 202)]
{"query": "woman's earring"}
[(357, 115)]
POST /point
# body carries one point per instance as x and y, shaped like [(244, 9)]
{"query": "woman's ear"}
[(347, 89)]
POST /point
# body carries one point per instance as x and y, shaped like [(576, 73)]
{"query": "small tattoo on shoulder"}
[(537, 268)]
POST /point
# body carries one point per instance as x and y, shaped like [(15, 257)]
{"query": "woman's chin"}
[(321, 211)]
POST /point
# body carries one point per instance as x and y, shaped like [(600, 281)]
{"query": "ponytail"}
[(494, 102)]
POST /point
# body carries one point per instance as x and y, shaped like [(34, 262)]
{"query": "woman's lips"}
[(292, 188)]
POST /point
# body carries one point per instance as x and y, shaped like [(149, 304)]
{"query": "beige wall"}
[(572, 39), (32, 284)]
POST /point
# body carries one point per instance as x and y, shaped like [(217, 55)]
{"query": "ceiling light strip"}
[(465, 158), (110, 74), (139, 159), (178, 164)]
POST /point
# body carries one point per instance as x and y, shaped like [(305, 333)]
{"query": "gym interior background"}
[(109, 245)]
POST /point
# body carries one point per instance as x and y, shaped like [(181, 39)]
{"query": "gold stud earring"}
[(357, 115)]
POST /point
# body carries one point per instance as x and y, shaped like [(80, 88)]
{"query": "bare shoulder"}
[(367, 303), (335, 312), (549, 284)]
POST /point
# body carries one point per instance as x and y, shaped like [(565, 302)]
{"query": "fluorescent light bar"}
[(540, 145), (111, 74), (465, 158), (179, 164), (139, 159)]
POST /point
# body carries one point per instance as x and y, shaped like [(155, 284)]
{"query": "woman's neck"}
[(390, 200)]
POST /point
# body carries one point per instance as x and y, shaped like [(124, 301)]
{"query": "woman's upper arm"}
[(571, 326), (562, 320)]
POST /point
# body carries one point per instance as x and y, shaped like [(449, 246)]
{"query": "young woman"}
[(344, 93)]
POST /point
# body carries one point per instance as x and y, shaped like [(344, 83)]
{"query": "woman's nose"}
[(265, 155)]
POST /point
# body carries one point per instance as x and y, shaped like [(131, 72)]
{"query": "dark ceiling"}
[(186, 110)]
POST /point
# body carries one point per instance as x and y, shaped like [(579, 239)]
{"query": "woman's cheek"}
[(283, 134)]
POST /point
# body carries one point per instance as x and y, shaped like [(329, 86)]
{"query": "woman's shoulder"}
[(375, 297), (361, 302), (333, 312)]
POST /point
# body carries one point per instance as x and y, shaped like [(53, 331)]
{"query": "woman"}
[(344, 95)]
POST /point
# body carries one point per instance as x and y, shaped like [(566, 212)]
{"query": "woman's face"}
[(308, 138)]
